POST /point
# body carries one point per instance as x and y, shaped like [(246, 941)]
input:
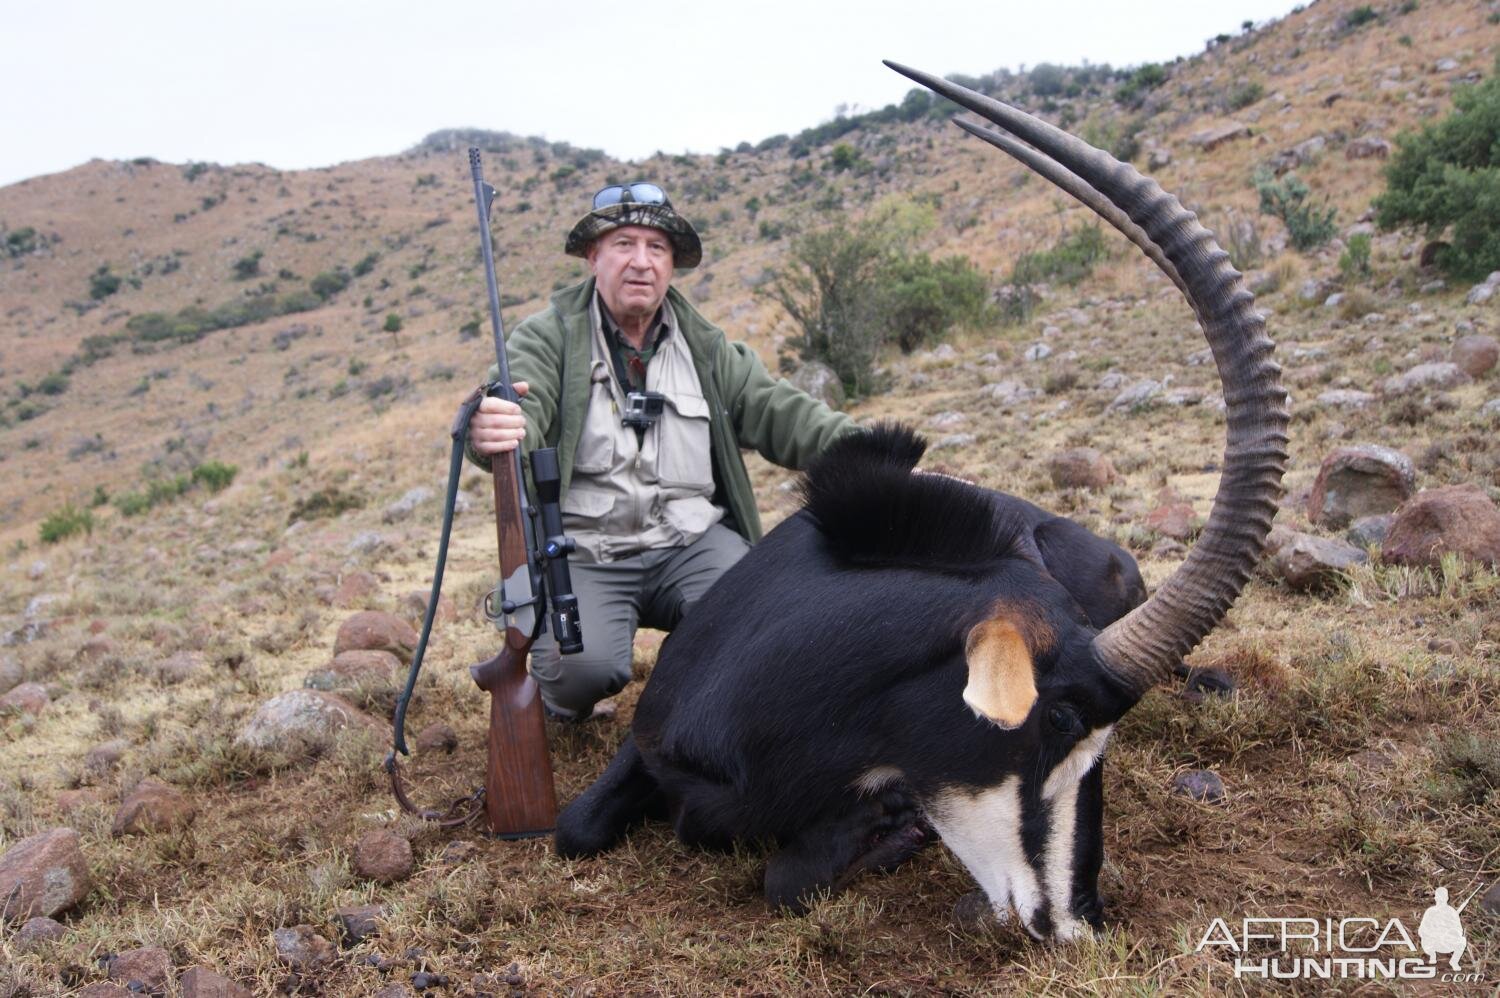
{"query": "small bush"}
[(1141, 82), (324, 504), (1309, 225), (329, 283), (214, 475), (392, 323), (1445, 181), (102, 283), (64, 523), (247, 267), (1069, 261), (53, 384), (1354, 262), (927, 298), (1245, 94), (366, 264), (1359, 17), (20, 242)]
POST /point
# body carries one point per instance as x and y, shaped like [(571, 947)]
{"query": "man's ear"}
[(1001, 685)]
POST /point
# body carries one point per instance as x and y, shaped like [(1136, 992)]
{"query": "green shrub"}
[(1445, 181), (247, 267), (392, 323), (1354, 262), (1359, 17), (1245, 94), (1069, 261), (20, 241), (366, 264), (854, 288), (329, 283), (102, 283), (53, 384), (63, 523), (845, 157), (214, 475), (1309, 225), (1141, 82)]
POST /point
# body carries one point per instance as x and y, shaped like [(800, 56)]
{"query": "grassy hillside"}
[(1359, 751)]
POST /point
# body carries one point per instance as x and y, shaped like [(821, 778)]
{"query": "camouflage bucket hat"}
[(687, 251)]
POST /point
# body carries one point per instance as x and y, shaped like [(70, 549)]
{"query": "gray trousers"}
[(653, 589)]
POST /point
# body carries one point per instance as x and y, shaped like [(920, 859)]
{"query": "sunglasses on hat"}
[(636, 193)]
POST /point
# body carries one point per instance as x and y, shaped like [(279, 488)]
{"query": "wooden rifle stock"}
[(519, 797)]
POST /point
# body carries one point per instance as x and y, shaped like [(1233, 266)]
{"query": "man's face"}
[(632, 267)]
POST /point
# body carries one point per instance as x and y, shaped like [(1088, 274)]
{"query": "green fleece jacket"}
[(749, 408)]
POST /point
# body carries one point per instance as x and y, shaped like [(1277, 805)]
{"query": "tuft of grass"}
[(66, 522)]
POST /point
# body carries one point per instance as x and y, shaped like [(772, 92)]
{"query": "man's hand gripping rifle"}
[(518, 795)]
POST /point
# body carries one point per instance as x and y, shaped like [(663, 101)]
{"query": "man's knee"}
[(572, 684)]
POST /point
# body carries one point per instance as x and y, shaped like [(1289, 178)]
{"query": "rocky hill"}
[(315, 329)]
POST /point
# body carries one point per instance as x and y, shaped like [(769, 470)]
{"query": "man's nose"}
[(640, 257)]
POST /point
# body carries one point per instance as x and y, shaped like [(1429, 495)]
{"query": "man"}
[(648, 404)]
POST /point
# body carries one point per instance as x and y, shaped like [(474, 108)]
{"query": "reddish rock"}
[(1175, 519), (383, 855), (44, 874), (104, 757), (154, 806), (28, 698), (365, 664), (374, 629), (69, 801), (180, 667), (1081, 468), (39, 931), (366, 677), (1475, 355), (96, 648), (414, 605), (105, 989), (437, 737), (11, 674), (150, 965), (302, 949), (1355, 482), (1459, 518), (354, 589), (1307, 562), (307, 716), (278, 558), (200, 982)]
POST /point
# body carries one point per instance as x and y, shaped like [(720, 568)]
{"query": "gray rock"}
[(368, 542), (1199, 784), (1136, 397), (29, 699), (179, 667), (1491, 900), (359, 922), (1037, 351), (954, 440), (948, 420), (1308, 562), (37, 570), (821, 382), (973, 911), (1424, 376), (1370, 531), (11, 674), (308, 716), (302, 949), (200, 982), (1334, 300), (1111, 381), (406, 505), (1360, 481), (106, 756), (1010, 392), (1490, 408), (1367, 147), (1479, 294), (1346, 398), (43, 875)]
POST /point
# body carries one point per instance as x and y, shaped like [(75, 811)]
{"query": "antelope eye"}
[(1064, 719)]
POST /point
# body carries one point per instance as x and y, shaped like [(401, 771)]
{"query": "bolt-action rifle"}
[(518, 795)]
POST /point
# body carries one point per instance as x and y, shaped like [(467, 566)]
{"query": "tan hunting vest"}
[(629, 495)]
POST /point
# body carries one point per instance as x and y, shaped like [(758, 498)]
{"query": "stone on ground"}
[(1360, 481), (383, 855), (148, 966), (375, 629), (154, 806), (43, 875), (1457, 518), (309, 716)]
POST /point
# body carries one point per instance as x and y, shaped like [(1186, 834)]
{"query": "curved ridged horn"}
[(1142, 648)]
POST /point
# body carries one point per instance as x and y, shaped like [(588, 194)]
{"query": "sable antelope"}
[(910, 653)]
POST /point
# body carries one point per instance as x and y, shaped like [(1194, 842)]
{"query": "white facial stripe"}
[(984, 831), (1061, 793), (872, 781)]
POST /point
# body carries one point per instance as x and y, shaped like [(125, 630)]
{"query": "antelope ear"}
[(1001, 685)]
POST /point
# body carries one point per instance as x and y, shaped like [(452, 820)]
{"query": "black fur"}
[(837, 646)]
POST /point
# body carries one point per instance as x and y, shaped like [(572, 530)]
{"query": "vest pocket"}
[(588, 503), (596, 444), (683, 459)]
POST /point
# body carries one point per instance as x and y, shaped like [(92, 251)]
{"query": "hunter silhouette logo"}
[(1302, 948), (1441, 931)]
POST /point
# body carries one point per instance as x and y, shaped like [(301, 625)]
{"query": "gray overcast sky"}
[(304, 83)]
